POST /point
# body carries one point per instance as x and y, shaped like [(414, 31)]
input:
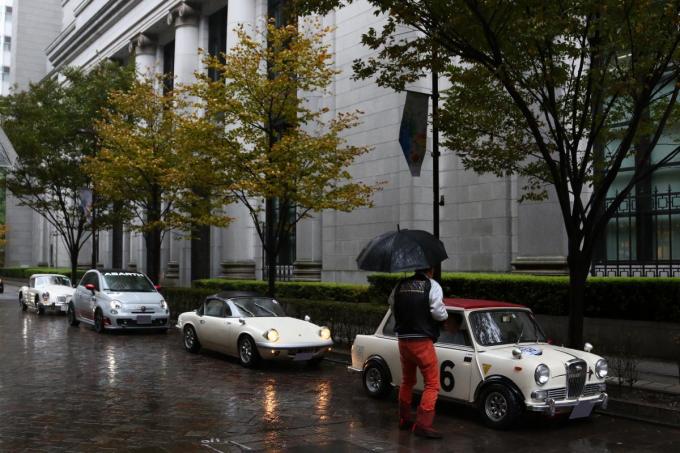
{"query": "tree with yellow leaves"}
[(148, 166), (278, 148)]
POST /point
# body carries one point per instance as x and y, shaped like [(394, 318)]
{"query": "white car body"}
[(467, 369), (44, 292), (220, 325)]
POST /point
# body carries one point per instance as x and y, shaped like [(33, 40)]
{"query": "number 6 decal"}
[(446, 377)]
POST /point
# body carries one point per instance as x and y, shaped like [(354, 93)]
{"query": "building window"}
[(5, 73), (8, 18), (7, 44), (217, 37)]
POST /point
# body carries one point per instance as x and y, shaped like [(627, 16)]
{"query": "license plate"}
[(304, 356), (582, 409), (144, 319)]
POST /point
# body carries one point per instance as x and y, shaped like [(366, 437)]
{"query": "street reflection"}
[(270, 402), (323, 399), (111, 364)]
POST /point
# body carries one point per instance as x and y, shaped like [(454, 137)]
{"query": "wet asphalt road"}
[(69, 389)]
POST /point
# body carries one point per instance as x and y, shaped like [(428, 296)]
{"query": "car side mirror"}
[(307, 318), (158, 287), (90, 287)]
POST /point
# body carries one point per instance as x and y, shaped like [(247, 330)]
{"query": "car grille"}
[(576, 377), (125, 322), (557, 394), (591, 389), (147, 311)]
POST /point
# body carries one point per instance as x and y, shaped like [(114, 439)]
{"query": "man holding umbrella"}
[(417, 304), (418, 307)]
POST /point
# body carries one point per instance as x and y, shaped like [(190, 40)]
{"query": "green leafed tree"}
[(51, 128), (148, 165), (276, 150), (562, 93)]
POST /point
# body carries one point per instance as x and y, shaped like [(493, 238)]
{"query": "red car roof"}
[(472, 304)]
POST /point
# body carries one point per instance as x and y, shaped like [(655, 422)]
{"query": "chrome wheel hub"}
[(246, 351), (496, 406), (374, 380), (189, 338)]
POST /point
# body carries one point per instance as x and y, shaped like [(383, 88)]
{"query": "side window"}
[(214, 307), (31, 283), (454, 331), (388, 328), (227, 310)]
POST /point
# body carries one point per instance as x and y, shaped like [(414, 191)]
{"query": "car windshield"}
[(494, 327), (258, 307), (58, 280), (127, 282)]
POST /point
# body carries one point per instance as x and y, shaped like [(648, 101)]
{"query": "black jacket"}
[(412, 309)]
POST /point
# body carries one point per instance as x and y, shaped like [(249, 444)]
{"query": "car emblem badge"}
[(143, 309)]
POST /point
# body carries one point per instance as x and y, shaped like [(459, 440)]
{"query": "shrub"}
[(653, 299), (343, 292), (345, 320), (26, 272)]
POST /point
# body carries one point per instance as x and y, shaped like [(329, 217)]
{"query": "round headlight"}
[(164, 305), (542, 374), (272, 335), (115, 305), (45, 295), (325, 333), (601, 368)]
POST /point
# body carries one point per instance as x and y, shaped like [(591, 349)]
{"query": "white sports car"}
[(492, 355), (252, 327), (46, 292)]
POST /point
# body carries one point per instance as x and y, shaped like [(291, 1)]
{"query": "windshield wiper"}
[(265, 309), (241, 307)]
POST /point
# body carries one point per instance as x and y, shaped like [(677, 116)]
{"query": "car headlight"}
[(542, 374), (163, 304), (115, 305), (45, 295), (601, 368), (325, 333), (272, 335)]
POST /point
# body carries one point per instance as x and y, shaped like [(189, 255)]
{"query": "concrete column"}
[(308, 249), (239, 239), (186, 19), (145, 48)]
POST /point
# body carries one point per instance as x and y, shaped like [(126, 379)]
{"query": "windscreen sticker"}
[(530, 350)]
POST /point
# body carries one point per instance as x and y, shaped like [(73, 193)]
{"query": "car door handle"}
[(467, 359), (202, 322)]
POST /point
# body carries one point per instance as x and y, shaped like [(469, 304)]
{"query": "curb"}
[(642, 412)]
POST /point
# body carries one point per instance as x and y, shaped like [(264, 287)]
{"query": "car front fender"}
[(498, 379)]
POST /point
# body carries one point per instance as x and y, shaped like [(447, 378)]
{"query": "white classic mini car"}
[(252, 327), (44, 292), (492, 355)]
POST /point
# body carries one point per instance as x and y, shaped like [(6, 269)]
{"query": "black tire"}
[(248, 355), (99, 322), (71, 313), (39, 307), (191, 342), (376, 379), (499, 406), (24, 307)]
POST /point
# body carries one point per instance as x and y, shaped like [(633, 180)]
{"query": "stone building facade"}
[(482, 224)]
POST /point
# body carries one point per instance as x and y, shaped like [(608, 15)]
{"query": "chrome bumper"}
[(551, 406)]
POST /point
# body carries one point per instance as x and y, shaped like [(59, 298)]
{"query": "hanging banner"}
[(413, 130)]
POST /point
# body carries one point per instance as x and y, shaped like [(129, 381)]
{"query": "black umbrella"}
[(402, 250)]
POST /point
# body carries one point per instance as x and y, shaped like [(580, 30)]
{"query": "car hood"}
[(145, 298), (554, 356), (290, 330), (56, 290)]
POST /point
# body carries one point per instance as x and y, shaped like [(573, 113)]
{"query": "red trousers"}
[(419, 353)]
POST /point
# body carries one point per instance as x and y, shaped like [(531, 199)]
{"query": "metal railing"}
[(284, 272), (641, 233)]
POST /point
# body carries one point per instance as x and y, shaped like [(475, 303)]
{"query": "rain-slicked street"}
[(69, 389)]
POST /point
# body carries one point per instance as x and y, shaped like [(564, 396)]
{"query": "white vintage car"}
[(492, 355), (252, 328), (51, 292)]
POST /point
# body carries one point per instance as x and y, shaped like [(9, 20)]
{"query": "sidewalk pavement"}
[(653, 375)]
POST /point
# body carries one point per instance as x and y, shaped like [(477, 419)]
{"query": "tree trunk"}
[(270, 247), (578, 274), (73, 255), (153, 255)]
